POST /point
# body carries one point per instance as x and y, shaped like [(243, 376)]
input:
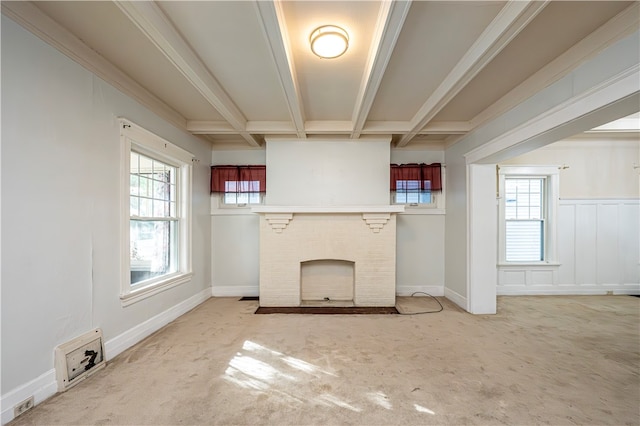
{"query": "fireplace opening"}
[(327, 282)]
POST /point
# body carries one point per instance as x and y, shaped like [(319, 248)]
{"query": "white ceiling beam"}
[(203, 127), (148, 17), (34, 20), (391, 18), (274, 28), (446, 128), (273, 128), (432, 128), (511, 19), (326, 127)]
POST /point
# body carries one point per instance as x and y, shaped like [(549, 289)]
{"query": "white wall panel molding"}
[(598, 252), (569, 290)]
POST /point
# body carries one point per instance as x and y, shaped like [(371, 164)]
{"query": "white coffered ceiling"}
[(233, 72)]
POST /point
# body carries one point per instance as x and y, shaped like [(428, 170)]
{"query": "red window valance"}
[(220, 175), (417, 172)]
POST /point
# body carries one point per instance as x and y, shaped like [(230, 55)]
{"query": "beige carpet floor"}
[(540, 360)]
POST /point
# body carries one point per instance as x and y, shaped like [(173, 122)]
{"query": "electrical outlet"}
[(25, 405)]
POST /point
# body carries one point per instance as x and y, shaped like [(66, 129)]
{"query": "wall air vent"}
[(79, 358)]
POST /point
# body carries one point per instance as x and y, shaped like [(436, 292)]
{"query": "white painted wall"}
[(420, 237), (597, 166), (60, 212), (235, 241), (328, 172), (455, 250), (598, 220), (235, 249)]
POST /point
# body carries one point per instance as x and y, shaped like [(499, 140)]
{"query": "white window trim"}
[(147, 143), (437, 207), (552, 195)]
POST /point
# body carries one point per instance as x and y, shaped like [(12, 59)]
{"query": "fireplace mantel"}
[(329, 209), (278, 217)]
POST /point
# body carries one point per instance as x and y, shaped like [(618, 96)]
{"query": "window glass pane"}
[(523, 198), (409, 192), (524, 241), (145, 187), (134, 185), (152, 249), (146, 207), (243, 198), (254, 198), (242, 192), (134, 203), (160, 190)]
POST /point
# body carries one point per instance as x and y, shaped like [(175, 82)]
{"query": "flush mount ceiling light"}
[(329, 41)]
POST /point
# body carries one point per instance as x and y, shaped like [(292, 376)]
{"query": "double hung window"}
[(528, 199), (156, 224)]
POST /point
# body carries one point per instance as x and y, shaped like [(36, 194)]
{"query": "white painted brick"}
[(319, 236)]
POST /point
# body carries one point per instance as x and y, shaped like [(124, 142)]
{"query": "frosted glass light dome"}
[(329, 41)]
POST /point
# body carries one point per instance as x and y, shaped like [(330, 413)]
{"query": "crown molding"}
[(37, 22)]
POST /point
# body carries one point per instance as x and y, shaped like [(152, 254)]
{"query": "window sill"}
[(155, 288), (519, 265)]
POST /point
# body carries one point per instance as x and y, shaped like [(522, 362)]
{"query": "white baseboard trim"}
[(235, 291), (41, 388), (46, 385), (456, 298), (567, 290), (120, 343), (408, 290)]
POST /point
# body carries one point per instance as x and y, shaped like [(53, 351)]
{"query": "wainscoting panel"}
[(586, 247), (598, 252)]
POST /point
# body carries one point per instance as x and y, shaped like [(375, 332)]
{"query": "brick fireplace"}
[(339, 256)]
